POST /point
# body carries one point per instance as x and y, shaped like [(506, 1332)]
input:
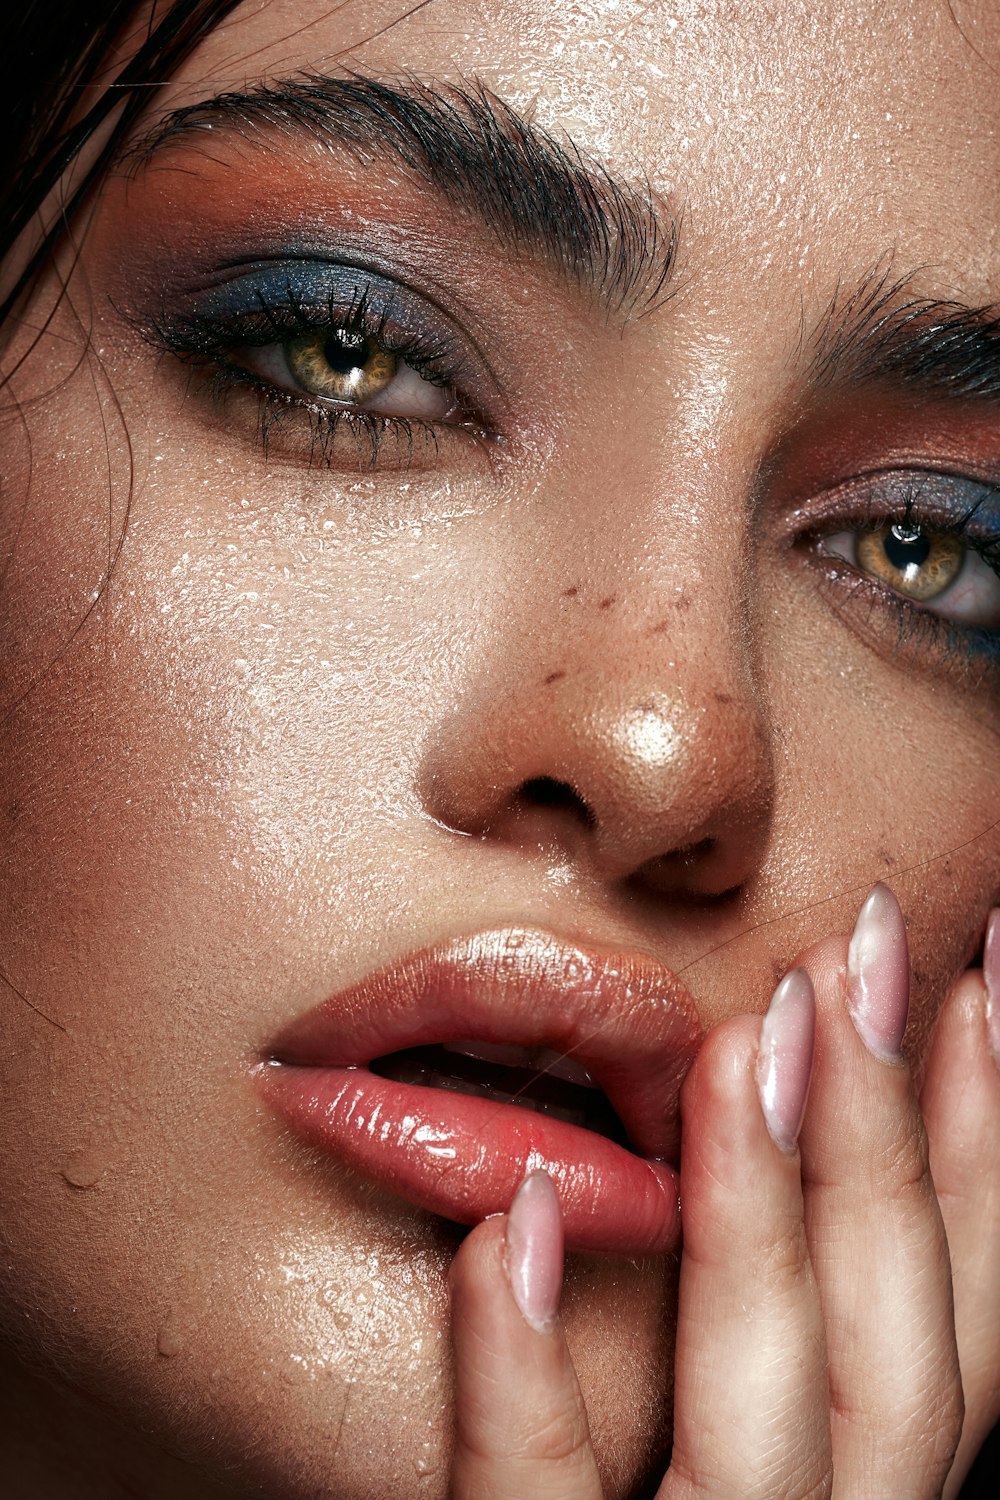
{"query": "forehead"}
[(811, 137)]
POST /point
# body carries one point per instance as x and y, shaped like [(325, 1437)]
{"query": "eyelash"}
[(209, 342), (917, 626)]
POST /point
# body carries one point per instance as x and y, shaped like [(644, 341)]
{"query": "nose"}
[(644, 755)]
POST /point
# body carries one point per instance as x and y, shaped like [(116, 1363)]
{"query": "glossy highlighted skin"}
[(316, 718)]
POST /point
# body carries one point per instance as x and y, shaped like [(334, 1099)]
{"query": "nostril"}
[(545, 791), (700, 869)]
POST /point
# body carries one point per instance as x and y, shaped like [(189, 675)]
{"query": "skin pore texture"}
[(588, 661)]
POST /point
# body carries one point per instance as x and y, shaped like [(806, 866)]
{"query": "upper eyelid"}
[(880, 492), (314, 278), (313, 293)]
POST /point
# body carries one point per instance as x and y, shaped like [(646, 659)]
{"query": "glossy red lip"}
[(625, 1018)]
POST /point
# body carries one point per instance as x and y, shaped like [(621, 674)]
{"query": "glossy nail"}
[(991, 974), (535, 1250), (878, 975), (784, 1057)]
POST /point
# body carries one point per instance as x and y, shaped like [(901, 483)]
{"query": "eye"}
[(930, 567), (342, 367)]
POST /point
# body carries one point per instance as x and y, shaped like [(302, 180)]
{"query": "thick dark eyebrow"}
[(535, 192), (883, 334)]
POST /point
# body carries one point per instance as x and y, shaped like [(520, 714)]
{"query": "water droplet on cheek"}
[(295, 1371), (343, 1318), (84, 1169), (168, 1340), (426, 1462)]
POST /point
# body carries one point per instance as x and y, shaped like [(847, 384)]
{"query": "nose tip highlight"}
[(669, 789)]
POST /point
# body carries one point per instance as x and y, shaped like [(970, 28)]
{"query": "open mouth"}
[(449, 1074), (534, 1078)]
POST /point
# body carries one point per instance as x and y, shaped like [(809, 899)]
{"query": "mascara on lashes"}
[(268, 300), (306, 293)]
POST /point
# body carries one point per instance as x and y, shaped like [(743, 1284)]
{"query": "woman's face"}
[(595, 629)]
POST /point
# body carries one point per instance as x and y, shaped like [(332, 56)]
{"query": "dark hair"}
[(52, 51)]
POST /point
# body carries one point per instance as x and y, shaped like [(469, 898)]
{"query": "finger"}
[(521, 1425), (961, 1107), (875, 1232), (750, 1403)]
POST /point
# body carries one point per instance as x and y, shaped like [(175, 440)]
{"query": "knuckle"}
[(910, 1426), (794, 1474), (900, 1164), (559, 1438), (783, 1252)]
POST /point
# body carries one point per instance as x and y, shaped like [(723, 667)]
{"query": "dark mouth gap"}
[(526, 1088)]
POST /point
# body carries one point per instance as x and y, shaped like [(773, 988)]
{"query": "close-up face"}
[(500, 539)]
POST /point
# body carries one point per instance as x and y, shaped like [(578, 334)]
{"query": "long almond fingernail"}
[(535, 1250), (991, 974), (784, 1057), (878, 975)]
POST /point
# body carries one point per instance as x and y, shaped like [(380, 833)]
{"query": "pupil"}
[(907, 547), (345, 352)]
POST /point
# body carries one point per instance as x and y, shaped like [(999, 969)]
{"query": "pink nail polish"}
[(535, 1250), (991, 973), (878, 975), (784, 1057)]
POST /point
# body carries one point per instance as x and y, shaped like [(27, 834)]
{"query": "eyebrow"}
[(533, 191), (882, 333)]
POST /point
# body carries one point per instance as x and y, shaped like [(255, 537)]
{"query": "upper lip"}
[(626, 1018)]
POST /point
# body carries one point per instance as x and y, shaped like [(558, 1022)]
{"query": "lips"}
[(446, 1077)]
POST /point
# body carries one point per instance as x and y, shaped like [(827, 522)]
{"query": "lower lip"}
[(465, 1157)]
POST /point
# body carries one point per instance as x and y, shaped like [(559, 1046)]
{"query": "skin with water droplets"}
[(169, 1341), (218, 798), (85, 1168)]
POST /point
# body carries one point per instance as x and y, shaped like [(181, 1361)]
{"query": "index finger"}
[(521, 1425)]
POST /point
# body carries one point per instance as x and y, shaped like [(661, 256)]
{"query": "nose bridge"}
[(635, 730)]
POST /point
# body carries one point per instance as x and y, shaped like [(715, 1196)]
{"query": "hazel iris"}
[(913, 560), (340, 365)]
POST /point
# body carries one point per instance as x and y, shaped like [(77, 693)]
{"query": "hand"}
[(866, 1255)]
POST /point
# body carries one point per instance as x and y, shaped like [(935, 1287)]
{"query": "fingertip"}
[(479, 1256), (516, 1255), (727, 1051), (726, 1147), (991, 980), (961, 1088), (534, 1251), (521, 1425), (784, 1057), (961, 1108)]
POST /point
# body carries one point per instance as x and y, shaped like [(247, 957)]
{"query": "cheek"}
[(884, 773)]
